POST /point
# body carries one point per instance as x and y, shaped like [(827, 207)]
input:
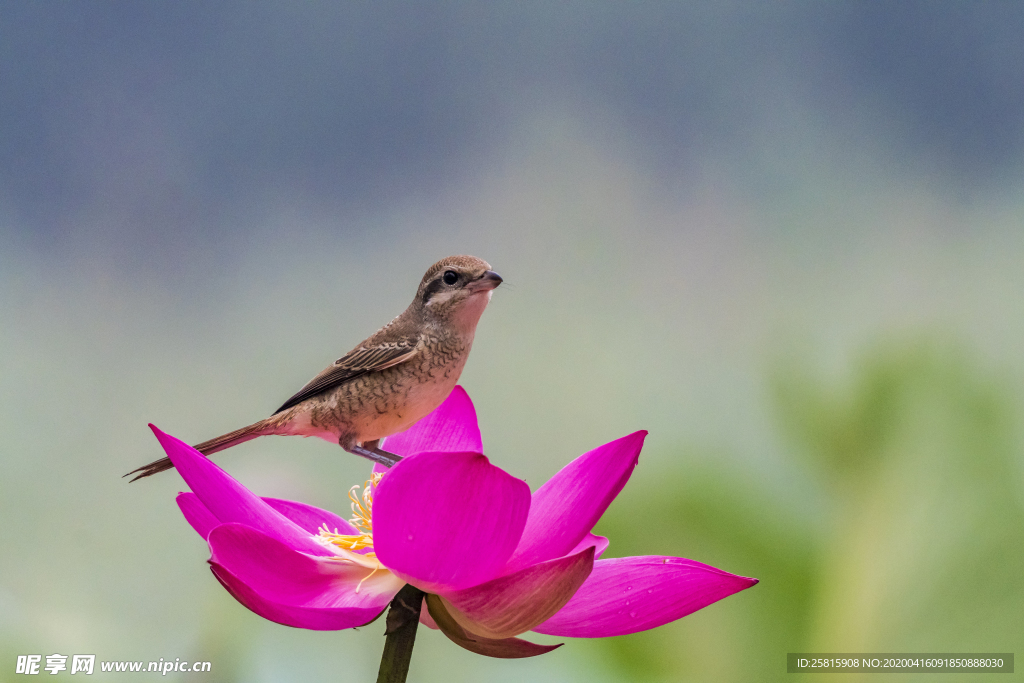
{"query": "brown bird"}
[(391, 380)]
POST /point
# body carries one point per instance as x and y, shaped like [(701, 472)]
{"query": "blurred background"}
[(786, 238)]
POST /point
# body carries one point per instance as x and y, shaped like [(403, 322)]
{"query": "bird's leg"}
[(373, 447), (370, 451)]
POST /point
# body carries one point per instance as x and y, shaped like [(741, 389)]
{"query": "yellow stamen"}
[(362, 520), (360, 585)]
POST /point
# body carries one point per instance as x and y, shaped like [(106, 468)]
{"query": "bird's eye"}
[(450, 277)]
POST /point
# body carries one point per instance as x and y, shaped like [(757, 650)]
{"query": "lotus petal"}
[(310, 518), (566, 508), (630, 594), (283, 576), (451, 427), (297, 616), (515, 603), (197, 514), (229, 501), (447, 521), (506, 648)]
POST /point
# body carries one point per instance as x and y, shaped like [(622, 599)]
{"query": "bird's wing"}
[(355, 363)]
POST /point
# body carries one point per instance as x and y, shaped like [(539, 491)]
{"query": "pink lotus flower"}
[(494, 560)]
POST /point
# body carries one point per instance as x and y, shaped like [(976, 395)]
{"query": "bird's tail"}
[(206, 448)]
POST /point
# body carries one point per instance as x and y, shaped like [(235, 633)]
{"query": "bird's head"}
[(455, 290)]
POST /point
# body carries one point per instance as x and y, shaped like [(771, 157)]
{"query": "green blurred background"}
[(786, 238)]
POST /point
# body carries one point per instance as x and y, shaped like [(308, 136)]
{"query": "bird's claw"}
[(376, 455)]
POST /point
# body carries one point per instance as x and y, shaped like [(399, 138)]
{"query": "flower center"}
[(362, 520)]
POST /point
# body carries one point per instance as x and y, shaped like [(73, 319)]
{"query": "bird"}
[(389, 381)]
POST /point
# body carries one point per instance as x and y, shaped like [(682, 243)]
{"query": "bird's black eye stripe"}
[(449, 278), (433, 288)]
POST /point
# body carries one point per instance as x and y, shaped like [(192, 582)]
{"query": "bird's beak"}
[(485, 283)]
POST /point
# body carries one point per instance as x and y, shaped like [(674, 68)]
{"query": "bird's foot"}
[(370, 451)]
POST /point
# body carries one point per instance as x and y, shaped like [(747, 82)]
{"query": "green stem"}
[(402, 620)]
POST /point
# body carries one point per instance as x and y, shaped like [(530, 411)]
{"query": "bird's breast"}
[(386, 402)]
